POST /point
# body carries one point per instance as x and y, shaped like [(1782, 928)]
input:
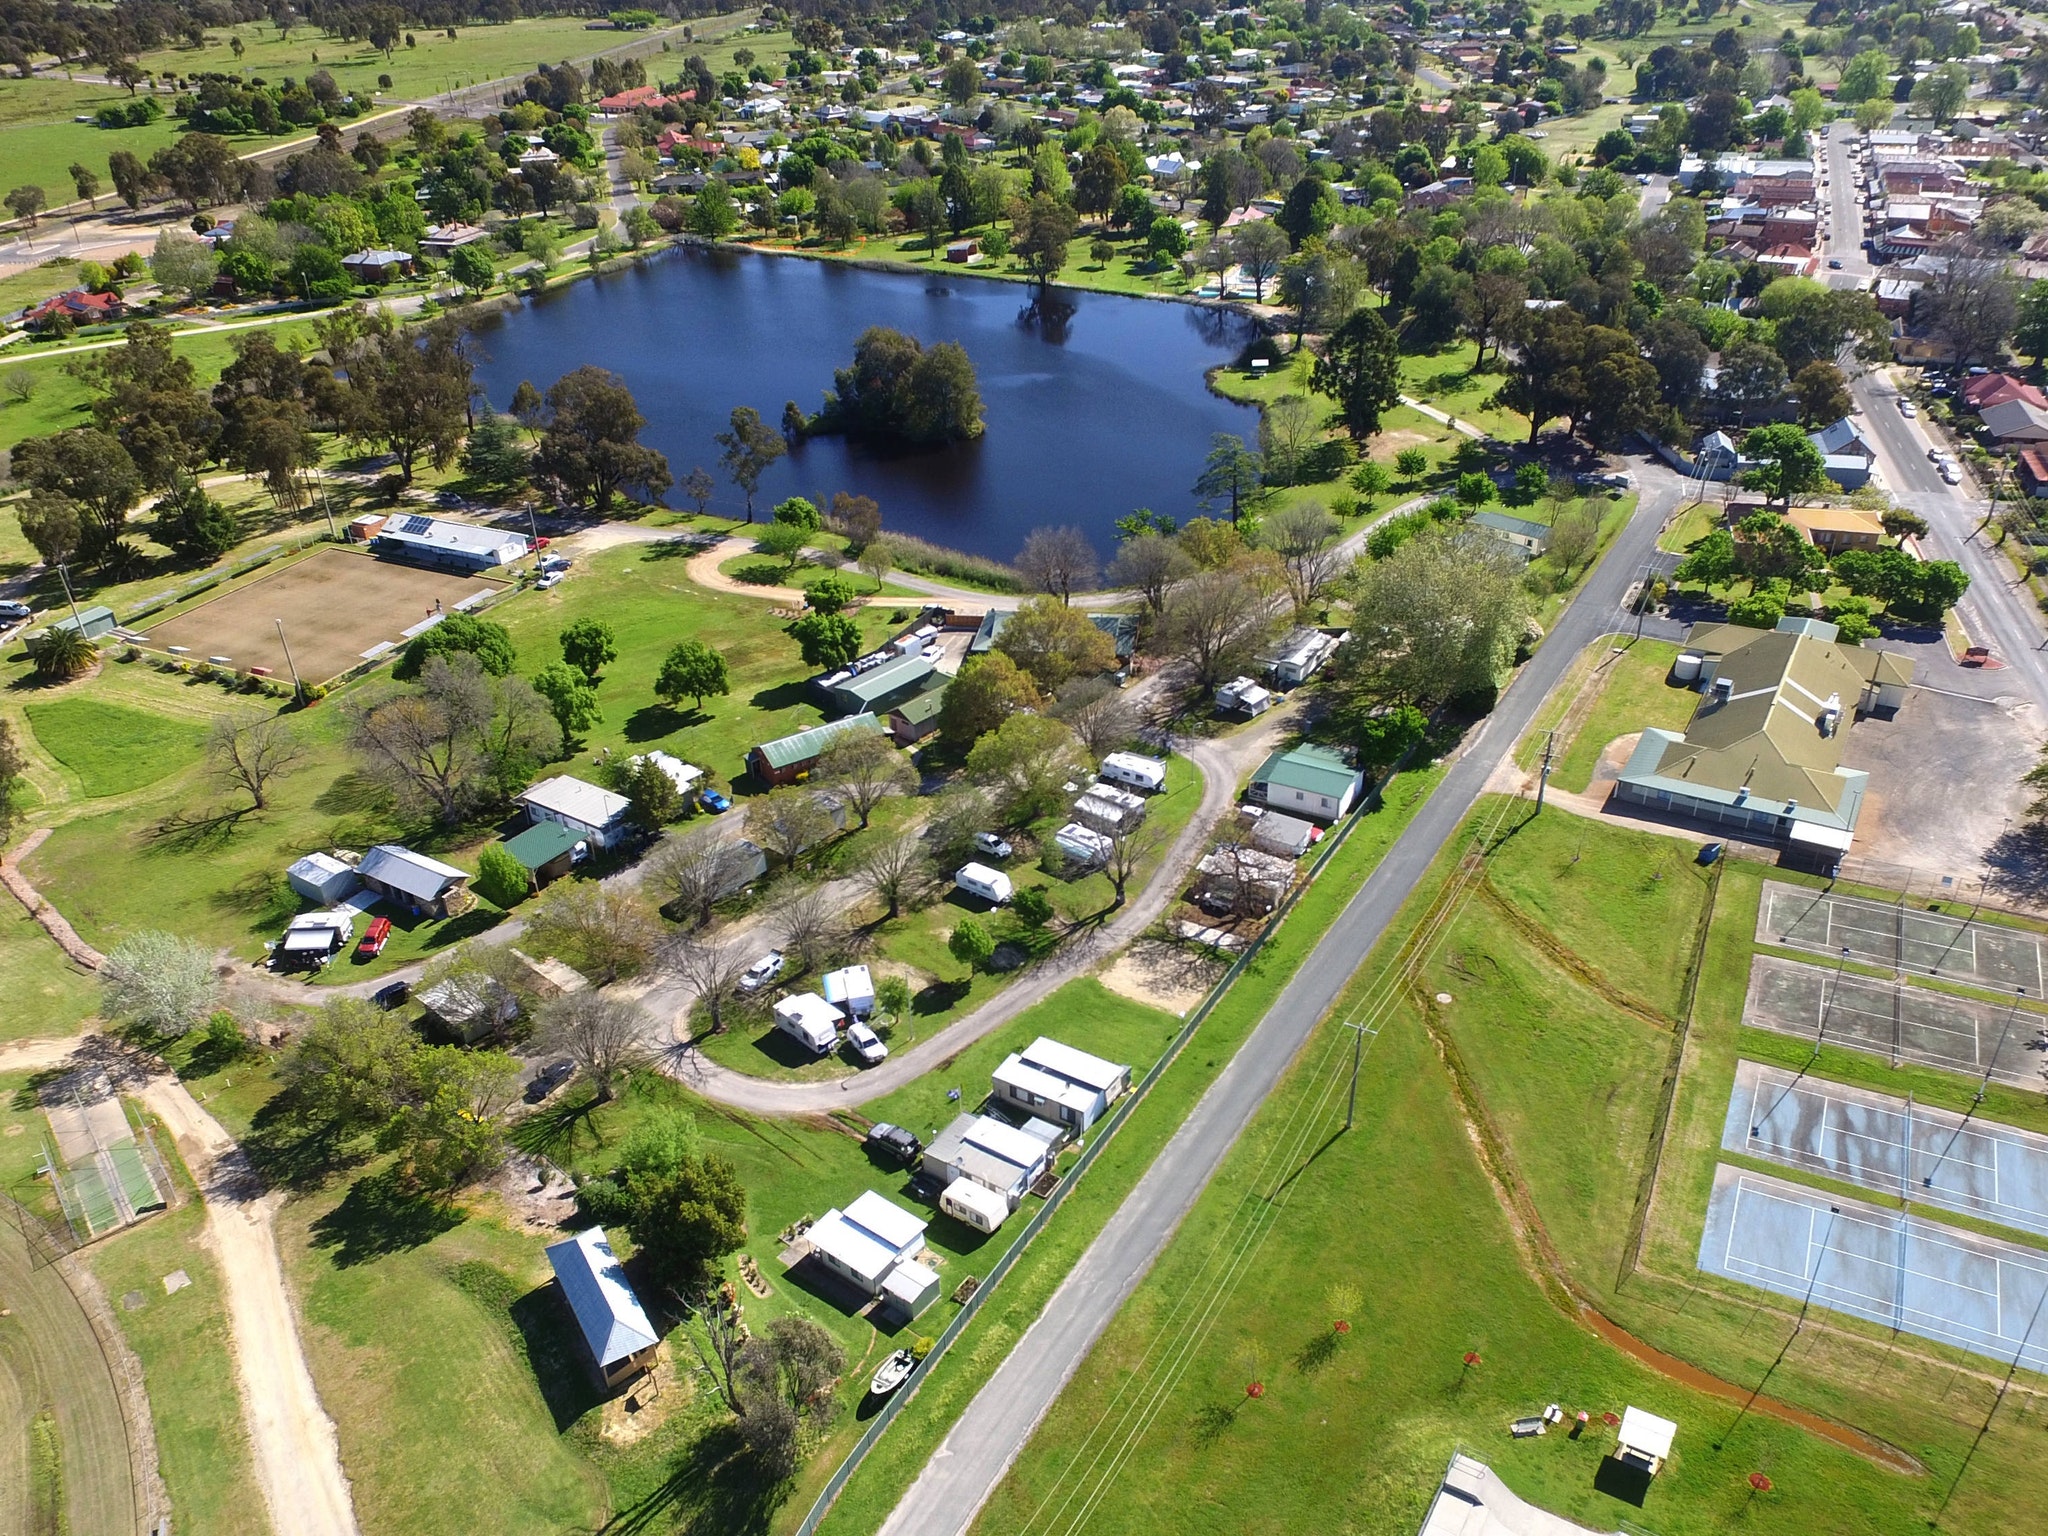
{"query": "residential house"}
[(470, 1007), (613, 1324), (790, 758), (2033, 471), (1052, 1081), (1761, 757), (1988, 389), (547, 851), (1277, 832), (376, 266), (1240, 878), (1837, 528), (2015, 421), (423, 886), (992, 1153), (864, 1242), (1309, 781), (1524, 534), (444, 240), (77, 306), (681, 774), (323, 878), (918, 716), (1299, 655), (1441, 193), (963, 253), (594, 814)]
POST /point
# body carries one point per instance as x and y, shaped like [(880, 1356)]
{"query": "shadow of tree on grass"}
[(713, 1488), (379, 1216)]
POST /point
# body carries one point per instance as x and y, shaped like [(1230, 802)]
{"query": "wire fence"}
[(1104, 1136)]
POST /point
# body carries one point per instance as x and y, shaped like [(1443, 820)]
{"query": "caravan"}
[(990, 885), (808, 1018), (1141, 773)]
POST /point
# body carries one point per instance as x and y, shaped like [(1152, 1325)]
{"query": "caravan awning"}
[(321, 940)]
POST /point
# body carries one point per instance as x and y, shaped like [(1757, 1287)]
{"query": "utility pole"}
[(298, 688), (1543, 774), (1358, 1034)]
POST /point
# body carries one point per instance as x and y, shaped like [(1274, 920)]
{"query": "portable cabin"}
[(979, 880), (1055, 1082), (608, 1314), (991, 1152), (975, 1205), (867, 1240), (808, 1018), (1129, 769), (851, 989)]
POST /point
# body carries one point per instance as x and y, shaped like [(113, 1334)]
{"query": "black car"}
[(893, 1142), (549, 1078), (392, 996)]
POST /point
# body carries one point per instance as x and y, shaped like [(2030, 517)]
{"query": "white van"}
[(808, 1018), (979, 880), (1142, 773)]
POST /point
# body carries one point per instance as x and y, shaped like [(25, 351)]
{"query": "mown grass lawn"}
[(45, 993), (1445, 379), (113, 748), (1634, 690), (1354, 1435)]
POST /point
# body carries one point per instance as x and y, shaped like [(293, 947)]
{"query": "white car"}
[(990, 843), (1908, 409), (552, 579), (762, 971), (1951, 474), (867, 1045)]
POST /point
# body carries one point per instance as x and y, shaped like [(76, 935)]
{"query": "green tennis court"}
[(133, 1173)]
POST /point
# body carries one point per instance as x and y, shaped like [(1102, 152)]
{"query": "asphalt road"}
[(1844, 238), (965, 1469)]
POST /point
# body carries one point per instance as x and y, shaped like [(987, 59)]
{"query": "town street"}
[(973, 1457)]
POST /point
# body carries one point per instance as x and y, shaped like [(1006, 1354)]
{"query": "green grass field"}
[(1628, 691), (1561, 1084), (46, 994), (113, 748)]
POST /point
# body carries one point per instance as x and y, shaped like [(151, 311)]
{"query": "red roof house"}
[(78, 306), (1989, 389), (2034, 471)]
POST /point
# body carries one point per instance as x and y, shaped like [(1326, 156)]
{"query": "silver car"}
[(762, 971)]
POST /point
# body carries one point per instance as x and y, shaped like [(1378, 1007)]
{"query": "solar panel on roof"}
[(418, 525)]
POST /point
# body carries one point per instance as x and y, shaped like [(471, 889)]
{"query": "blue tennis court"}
[(1891, 1145), (1886, 1267)]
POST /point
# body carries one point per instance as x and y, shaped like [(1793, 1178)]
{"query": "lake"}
[(1095, 406)]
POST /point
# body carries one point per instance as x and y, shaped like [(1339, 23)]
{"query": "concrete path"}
[(965, 1469), (1466, 427)]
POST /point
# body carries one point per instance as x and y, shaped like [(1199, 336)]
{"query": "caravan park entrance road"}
[(965, 1469)]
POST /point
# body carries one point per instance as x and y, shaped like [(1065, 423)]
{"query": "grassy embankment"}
[(1566, 971)]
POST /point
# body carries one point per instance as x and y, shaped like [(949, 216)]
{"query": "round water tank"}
[(1686, 669)]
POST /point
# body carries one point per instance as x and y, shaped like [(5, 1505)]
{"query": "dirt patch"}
[(1387, 444), (1163, 975), (534, 1194), (649, 1403)]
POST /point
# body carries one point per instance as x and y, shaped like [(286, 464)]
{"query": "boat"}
[(893, 1373)]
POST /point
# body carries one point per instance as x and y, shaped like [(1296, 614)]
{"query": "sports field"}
[(1886, 1267), (338, 607), (1901, 1023), (1890, 1145), (1891, 933)]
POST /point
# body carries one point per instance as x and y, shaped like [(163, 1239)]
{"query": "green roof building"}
[(1307, 781), (547, 849), (790, 758)]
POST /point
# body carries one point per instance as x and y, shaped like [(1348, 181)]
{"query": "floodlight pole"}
[(1827, 1007), (2010, 1014), (64, 575), (298, 688)]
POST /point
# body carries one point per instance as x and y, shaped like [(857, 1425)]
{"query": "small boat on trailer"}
[(893, 1373)]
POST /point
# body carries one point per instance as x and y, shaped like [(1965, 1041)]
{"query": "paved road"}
[(972, 1459), (1655, 194), (1844, 239)]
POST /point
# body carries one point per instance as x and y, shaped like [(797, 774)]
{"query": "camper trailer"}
[(808, 1018), (851, 989), (1129, 769), (979, 880)]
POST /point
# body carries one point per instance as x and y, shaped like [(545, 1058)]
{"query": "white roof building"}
[(584, 808), (681, 774), (1643, 1440), (1057, 1082), (991, 1152), (867, 1240), (322, 877)]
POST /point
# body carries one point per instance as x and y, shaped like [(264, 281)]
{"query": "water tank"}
[(1686, 669)]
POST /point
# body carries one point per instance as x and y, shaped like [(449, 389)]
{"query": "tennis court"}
[(1900, 1023), (1897, 936), (1886, 1267), (1894, 1146)]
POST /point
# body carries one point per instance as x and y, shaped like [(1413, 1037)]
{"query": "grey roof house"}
[(423, 885)]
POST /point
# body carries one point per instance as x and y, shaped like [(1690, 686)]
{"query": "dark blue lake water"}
[(1095, 404)]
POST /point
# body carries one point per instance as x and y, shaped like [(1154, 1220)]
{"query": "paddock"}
[(340, 607)]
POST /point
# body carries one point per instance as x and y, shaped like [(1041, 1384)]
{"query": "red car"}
[(373, 939)]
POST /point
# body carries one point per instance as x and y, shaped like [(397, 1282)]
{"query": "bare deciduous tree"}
[(895, 872), (604, 933), (692, 874), (712, 971), (789, 822), (1057, 561), (1100, 713), (1149, 565), (441, 744), (807, 921), (863, 770), (246, 753), (1305, 538), (604, 1034), (1218, 620), (1972, 301), (1128, 850)]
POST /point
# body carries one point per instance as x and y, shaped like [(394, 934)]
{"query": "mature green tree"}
[(830, 593), (571, 698), (2030, 334), (1810, 322), (1311, 210), (1360, 369), (684, 1209), (1026, 762), (988, 690), (500, 878), (590, 445), (493, 454), (694, 670), (406, 392), (1768, 548), (1865, 76), (183, 265), (1232, 476), (898, 389), (1053, 643), (1440, 617), (1101, 177), (827, 640), (149, 397), (589, 646), (747, 451), (1823, 394), (1789, 463), (971, 944), (1942, 92), (1709, 561), (91, 471), (471, 266), (1040, 232), (486, 639), (785, 541), (191, 522), (1752, 378)]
